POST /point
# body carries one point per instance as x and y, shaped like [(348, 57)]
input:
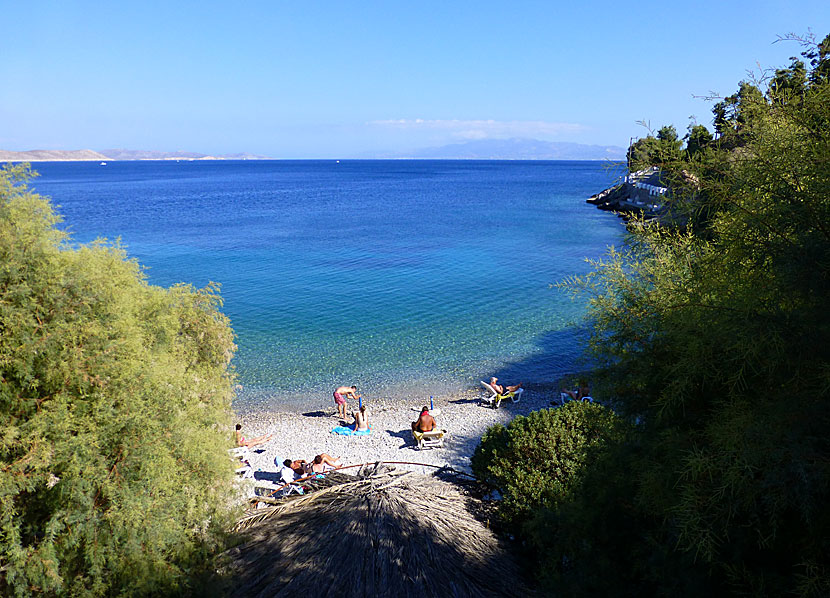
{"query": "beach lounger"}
[(565, 397), (434, 439), (242, 453), (494, 398)]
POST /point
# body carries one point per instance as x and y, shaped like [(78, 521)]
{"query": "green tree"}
[(668, 144), (114, 406), (715, 339), (643, 153), (788, 84), (697, 140), (735, 114)]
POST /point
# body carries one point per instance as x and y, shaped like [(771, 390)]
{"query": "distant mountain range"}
[(519, 149), (483, 149), (114, 154)]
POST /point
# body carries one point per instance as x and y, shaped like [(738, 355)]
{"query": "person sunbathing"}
[(300, 467), (503, 389), (323, 463), (287, 473), (581, 392), (250, 442), (425, 422), (361, 419)]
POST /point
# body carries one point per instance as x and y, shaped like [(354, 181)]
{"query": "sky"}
[(327, 79)]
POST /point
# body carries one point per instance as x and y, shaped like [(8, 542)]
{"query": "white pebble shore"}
[(300, 435)]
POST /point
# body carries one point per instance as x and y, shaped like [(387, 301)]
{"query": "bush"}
[(539, 460), (114, 414)]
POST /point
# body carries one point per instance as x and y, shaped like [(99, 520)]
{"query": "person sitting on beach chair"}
[(250, 442), (582, 393), (503, 390), (425, 422), (425, 432), (288, 474), (287, 477)]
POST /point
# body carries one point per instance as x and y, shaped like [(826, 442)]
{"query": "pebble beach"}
[(302, 435)]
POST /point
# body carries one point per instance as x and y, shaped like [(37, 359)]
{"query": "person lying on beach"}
[(503, 389), (287, 473), (425, 422), (250, 442), (361, 419), (340, 396), (299, 466), (581, 392), (323, 463)]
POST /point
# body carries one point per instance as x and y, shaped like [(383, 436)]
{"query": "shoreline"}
[(304, 435)]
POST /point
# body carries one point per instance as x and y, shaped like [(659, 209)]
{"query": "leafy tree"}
[(668, 144), (735, 114), (115, 405), (715, 339), (697, 140), (643, 153), (788, 84)]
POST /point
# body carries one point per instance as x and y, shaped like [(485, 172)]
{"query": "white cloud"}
[(483, 129)]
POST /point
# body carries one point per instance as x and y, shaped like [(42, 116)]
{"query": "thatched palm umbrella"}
[(387, 535)]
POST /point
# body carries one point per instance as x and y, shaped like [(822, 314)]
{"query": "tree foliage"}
[(115, 405), (715, 339)]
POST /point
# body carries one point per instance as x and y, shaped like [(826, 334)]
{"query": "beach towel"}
[(344, 431)]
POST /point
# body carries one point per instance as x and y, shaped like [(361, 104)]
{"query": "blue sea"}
[(406, 278)]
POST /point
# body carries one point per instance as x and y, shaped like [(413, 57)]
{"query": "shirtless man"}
[(300, 466), (340, 396), (425, 422)]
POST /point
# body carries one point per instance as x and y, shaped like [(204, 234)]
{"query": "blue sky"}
[(322, 78)]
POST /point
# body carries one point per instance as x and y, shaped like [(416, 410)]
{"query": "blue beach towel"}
[(344, 431)]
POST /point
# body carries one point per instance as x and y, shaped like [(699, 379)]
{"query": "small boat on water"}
[(103, 164)]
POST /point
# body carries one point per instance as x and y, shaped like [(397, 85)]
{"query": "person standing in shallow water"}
[(340, 396)]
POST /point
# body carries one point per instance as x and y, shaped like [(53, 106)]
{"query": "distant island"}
[(480, 149), (114, 155), (517, 149)]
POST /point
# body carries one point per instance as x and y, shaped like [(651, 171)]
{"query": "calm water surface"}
[(407, 278)]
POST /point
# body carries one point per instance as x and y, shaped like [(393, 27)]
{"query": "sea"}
[(407, 278)]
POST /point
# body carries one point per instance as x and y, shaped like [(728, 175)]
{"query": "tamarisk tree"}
[(715, 339), (114, 414)]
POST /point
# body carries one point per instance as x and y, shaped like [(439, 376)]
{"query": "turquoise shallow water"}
[(407, 278)]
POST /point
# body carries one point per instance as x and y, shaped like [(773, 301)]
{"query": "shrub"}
[(114, 410), (539, 460)]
